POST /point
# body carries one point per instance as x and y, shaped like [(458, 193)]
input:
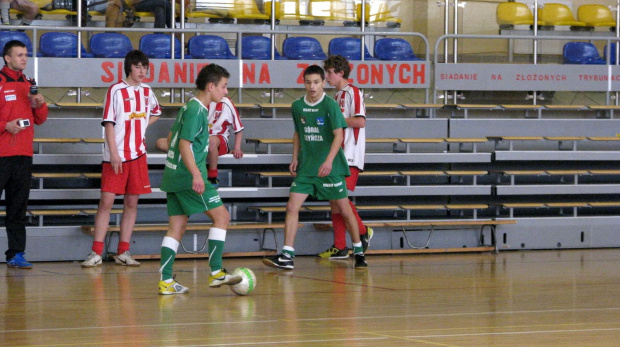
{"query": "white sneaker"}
[(92, 260), (125, 259)]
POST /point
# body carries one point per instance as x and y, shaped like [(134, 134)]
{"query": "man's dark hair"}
[(9, 45), (211, 73), (314, 69), (338, 63), (135, 57)]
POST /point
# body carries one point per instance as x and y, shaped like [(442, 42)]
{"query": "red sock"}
[(212, 173), (360, 224), (122, 247), (340, 228), (97, 247)]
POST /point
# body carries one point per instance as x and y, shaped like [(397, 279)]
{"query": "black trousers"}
[(162, 9), (15, 176)]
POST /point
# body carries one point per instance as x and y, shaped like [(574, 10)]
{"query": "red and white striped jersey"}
[(222, 116), (351, 102), (129, 108)]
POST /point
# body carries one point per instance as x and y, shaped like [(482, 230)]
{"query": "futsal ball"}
[(248, 281)]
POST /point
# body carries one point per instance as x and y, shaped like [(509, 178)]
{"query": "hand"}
[(36, 100), (237, 153), (117, 164), (198, 184), (292, 168), (325, 169), (12, 127)]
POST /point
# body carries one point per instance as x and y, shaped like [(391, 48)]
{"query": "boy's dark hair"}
[(135, 57), (211, 73), (9, 45), (338, 63), (314, 69)]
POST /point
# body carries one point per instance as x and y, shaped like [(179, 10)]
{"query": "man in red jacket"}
[(20, 108)]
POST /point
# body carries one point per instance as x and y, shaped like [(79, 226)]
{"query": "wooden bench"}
[(447, 140), (574, 173), (467, 107), (41, 213), (431, 226), (270, 210), (61, 140), (62, 175), (473, 173), (439, 207), (609, 109), (163, 228), (525, 108), (289, 141), (511, 139), (559, 205)]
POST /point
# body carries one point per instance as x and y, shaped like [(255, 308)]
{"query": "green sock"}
[(289, 251), (357, 248), (216, 249), (169, 248)]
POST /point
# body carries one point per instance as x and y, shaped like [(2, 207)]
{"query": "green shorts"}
[(188, 202), (321, 188)]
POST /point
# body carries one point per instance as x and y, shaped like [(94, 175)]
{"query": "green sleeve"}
[(336, 118), (190, 122)]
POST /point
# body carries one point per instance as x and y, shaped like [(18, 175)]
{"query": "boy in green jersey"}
[(185, 182), (319, 165)]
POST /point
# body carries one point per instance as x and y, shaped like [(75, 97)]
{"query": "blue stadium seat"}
[(158, 46), (394, 49), (612, 54), (303, 48), (257, 48), (6, 36), (110, 45), (209, 47), (348, 47), (581, 53), (61, 44)]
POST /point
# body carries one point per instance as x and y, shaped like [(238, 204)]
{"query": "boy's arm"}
[(110, 140), (185, 148), (236, 152), (293, 166), (326, 167), (356, 122), (153, 119)]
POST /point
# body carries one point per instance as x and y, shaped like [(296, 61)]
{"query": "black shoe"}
[(279, 261), (366, 238), (360, 261), (214, 182)]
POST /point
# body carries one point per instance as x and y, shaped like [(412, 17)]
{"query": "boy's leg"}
[(291, 223), (339, 249), (217, 239), (349, 217), (169, 246), (102, 221), (212, 158), (128, 221)]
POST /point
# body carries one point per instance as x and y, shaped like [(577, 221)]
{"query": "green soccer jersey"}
[(191, 124), (315, 125)]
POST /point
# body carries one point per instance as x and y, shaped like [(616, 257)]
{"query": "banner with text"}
[(527, 77), (164, 73)]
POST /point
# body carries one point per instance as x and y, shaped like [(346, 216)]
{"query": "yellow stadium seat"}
[(211, 9), (377, 12), (515, 13), (332, 10), (559, 14), (246, 9), (286, 9), (596, 16)]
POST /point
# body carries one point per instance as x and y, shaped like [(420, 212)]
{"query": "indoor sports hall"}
[(491, 178)]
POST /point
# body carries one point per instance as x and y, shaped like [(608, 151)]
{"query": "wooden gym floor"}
[(528, 298)]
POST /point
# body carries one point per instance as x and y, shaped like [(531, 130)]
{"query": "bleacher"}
[(549, 170)]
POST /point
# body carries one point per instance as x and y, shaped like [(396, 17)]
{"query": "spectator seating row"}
[(554, 14), (587, 53), (116, 45)]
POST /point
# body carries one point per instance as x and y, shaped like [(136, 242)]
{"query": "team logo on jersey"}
[(134, 115), (302, 120), (216, 115), (320, 121), (341, 102)]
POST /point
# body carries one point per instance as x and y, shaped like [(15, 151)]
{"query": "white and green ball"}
[(248, 281)]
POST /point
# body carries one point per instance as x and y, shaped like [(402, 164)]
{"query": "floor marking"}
[(518, 333), (253, 343)]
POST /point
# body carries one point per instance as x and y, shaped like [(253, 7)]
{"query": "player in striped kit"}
[(351, 102), (129, 108), (222, 116)]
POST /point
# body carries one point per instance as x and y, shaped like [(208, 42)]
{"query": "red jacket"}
[(14, 103)]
